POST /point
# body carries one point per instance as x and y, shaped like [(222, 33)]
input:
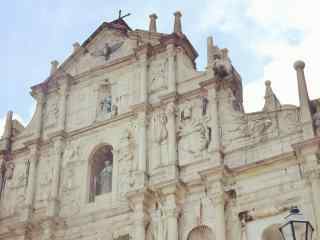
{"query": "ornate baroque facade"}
[(130, 141)]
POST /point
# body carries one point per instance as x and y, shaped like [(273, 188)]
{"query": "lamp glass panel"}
[(300, 229), (287, 232)]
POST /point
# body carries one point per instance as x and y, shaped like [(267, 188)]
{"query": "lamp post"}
[(296, 227)]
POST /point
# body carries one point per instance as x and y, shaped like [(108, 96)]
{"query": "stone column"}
[(142, 123), (172, 216), (218, 197), (215, 125), (314, 178), (172, 85), (34, 154), (172, 136), (63, 92), (31, 187), (140, 201), (143, 77), (58, 145), (305, 112)]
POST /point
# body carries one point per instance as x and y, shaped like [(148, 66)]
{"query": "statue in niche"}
[(106, 104), (105, 178)]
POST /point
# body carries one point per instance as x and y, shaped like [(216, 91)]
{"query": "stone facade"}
[(130, 141)]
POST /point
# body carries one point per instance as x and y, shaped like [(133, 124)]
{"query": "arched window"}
[(201, 232), (101, 172), (272, 233)]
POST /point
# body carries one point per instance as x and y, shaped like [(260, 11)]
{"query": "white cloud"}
[(282, 32), (279, 17)]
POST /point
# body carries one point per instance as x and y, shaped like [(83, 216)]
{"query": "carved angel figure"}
[(107, 51)]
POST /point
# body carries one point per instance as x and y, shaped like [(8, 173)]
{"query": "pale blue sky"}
[(263, 38)]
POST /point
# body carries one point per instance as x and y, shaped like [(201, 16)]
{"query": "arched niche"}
[(100, 171), (201, 233), (272, 232)]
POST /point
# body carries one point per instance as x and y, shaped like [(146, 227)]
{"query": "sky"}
[(264, 39)]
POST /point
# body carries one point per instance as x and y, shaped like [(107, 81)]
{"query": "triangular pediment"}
[(105, 45)]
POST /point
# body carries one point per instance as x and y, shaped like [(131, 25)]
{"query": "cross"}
[(121, 17)]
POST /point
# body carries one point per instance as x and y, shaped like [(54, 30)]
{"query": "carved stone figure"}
[(159, 127), (159, 76), (114, 111), (221, 63), (186, 112), (107, 50), (205, 103), (106, 104), (105, 178), (9, 170), (257, 129), (195, 137)]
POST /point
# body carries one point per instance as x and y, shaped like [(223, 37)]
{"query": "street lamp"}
[(296, 227)]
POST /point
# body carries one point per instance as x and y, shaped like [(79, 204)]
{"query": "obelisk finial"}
[(177, 22), (153, 23)]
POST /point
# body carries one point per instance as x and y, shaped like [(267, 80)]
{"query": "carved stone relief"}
[(194, 135), (124, 154), (159, 122), (158, 75), (51, 113)]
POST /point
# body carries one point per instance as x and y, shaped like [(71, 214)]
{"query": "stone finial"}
[(177, 22), (271, 101), (153, 23), (210, 47), (76, 46), (304, 100), (54, 66), (299, 65), (8, 125)]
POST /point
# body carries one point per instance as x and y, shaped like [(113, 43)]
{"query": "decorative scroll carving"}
[(51, 114)]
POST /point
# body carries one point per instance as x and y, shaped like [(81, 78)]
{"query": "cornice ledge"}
[(141, 107), (170, 97), (313, 142)]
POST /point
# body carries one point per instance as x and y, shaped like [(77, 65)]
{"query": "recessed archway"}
[(101, 169), (201, 232)]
